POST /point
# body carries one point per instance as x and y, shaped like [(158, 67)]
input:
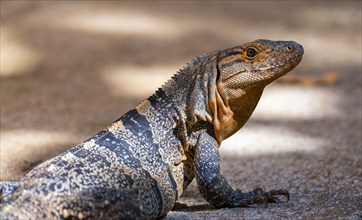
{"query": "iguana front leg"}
[(213, 186)]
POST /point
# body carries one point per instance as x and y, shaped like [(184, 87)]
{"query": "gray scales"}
[(139, 166)]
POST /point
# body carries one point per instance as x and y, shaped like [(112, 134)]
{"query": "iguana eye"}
[(251, 52)]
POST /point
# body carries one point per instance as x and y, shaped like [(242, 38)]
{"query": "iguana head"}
[(257, 63), (243, 72)]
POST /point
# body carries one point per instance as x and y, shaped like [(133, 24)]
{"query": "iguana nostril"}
[(289, 48)]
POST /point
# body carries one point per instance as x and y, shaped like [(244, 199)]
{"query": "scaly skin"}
[(140, 165)]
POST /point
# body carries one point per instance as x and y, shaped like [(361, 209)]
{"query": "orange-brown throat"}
[(231, 108)]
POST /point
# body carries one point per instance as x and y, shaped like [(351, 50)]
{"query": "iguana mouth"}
[(292, 62)]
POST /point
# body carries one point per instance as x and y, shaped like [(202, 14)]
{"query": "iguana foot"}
[(7, 188), (257, 196)]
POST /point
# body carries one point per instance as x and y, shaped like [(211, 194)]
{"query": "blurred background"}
[(69, 68)]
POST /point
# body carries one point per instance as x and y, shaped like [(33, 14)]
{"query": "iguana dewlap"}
[(140, 165)]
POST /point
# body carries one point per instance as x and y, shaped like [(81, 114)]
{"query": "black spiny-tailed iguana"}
[(139, 166)]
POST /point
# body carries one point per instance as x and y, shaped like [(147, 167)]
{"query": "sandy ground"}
[(68, 69)]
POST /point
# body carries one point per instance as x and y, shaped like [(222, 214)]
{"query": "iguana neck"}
[(240, 109), (192, 87), (199, 96)]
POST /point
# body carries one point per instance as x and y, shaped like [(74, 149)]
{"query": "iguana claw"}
[(257, 196), (273, 195)]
